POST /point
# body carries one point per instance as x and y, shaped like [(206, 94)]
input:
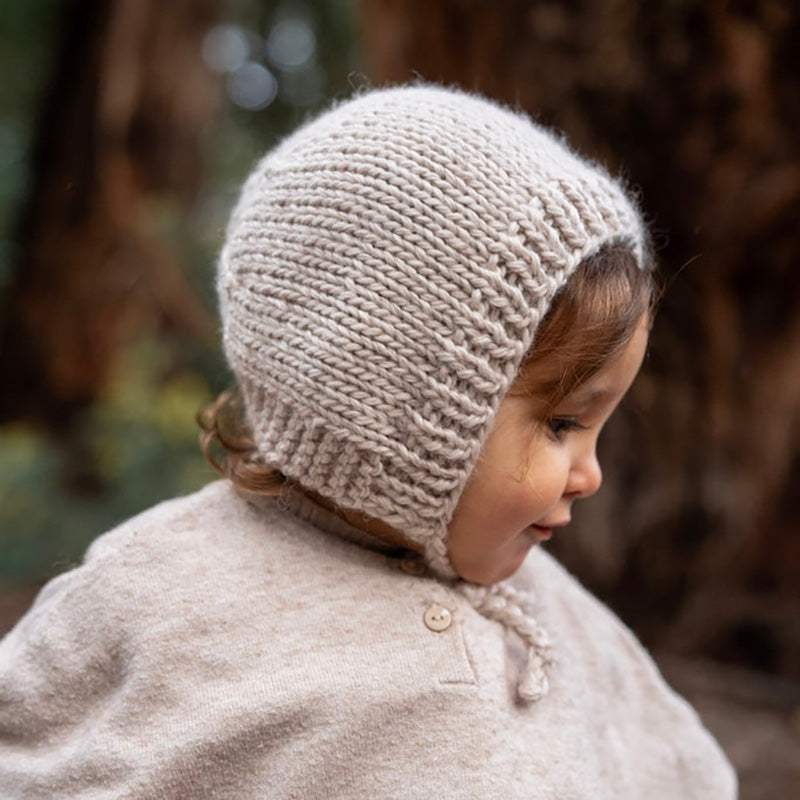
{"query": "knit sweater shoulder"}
[(218, 648)]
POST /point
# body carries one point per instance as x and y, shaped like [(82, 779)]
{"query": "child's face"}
[(526, 481)]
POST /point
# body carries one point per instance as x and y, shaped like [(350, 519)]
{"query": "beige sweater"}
[(212, 648)]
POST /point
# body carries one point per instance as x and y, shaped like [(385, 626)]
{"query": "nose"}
[(585, 477)]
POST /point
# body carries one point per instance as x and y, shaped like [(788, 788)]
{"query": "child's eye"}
[(561, 426)]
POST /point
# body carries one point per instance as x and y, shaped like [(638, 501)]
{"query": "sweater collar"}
[(303, 507), (500, 602)]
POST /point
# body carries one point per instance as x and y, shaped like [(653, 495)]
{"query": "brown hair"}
[(591, 319), (228, 446)]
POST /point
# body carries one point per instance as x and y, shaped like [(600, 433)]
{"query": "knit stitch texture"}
[(383, 276)]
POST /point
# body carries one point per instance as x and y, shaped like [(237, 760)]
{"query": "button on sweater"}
[(214, 647)]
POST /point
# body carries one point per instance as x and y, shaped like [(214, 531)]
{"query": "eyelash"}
[(561, 426)]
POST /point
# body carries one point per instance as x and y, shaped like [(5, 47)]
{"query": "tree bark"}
[(118, 150), (695, 537)]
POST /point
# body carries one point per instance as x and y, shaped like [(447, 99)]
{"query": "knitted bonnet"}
[(383, 276)]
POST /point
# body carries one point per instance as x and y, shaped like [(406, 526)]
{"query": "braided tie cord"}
[(512, 609)]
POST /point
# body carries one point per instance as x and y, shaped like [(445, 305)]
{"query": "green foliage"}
[(136, 446)]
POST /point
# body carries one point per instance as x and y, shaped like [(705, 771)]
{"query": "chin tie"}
[(512, 608)]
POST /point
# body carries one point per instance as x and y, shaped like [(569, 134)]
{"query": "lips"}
[(540, 533)]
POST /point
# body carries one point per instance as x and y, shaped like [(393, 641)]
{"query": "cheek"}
[(541, 489), (548, 485), (500, 494), (495, 511)]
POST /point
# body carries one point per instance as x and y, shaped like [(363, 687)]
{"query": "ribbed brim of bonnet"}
[(383, 275)]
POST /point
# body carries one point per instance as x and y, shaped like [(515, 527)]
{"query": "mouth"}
[(543, 533), (539, 533)]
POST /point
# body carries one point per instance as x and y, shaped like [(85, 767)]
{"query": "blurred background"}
[(126, 129)]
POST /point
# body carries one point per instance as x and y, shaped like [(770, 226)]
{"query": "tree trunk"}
[(118, 151), (695, 537)]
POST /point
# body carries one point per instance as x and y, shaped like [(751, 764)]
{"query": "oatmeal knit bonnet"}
[(383, 276)]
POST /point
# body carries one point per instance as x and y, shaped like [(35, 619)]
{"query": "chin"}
[(512, 566), (486, 576)]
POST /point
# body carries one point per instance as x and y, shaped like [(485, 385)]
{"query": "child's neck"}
[(375, 527)]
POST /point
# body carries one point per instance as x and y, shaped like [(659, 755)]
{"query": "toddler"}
[(431, 307)]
